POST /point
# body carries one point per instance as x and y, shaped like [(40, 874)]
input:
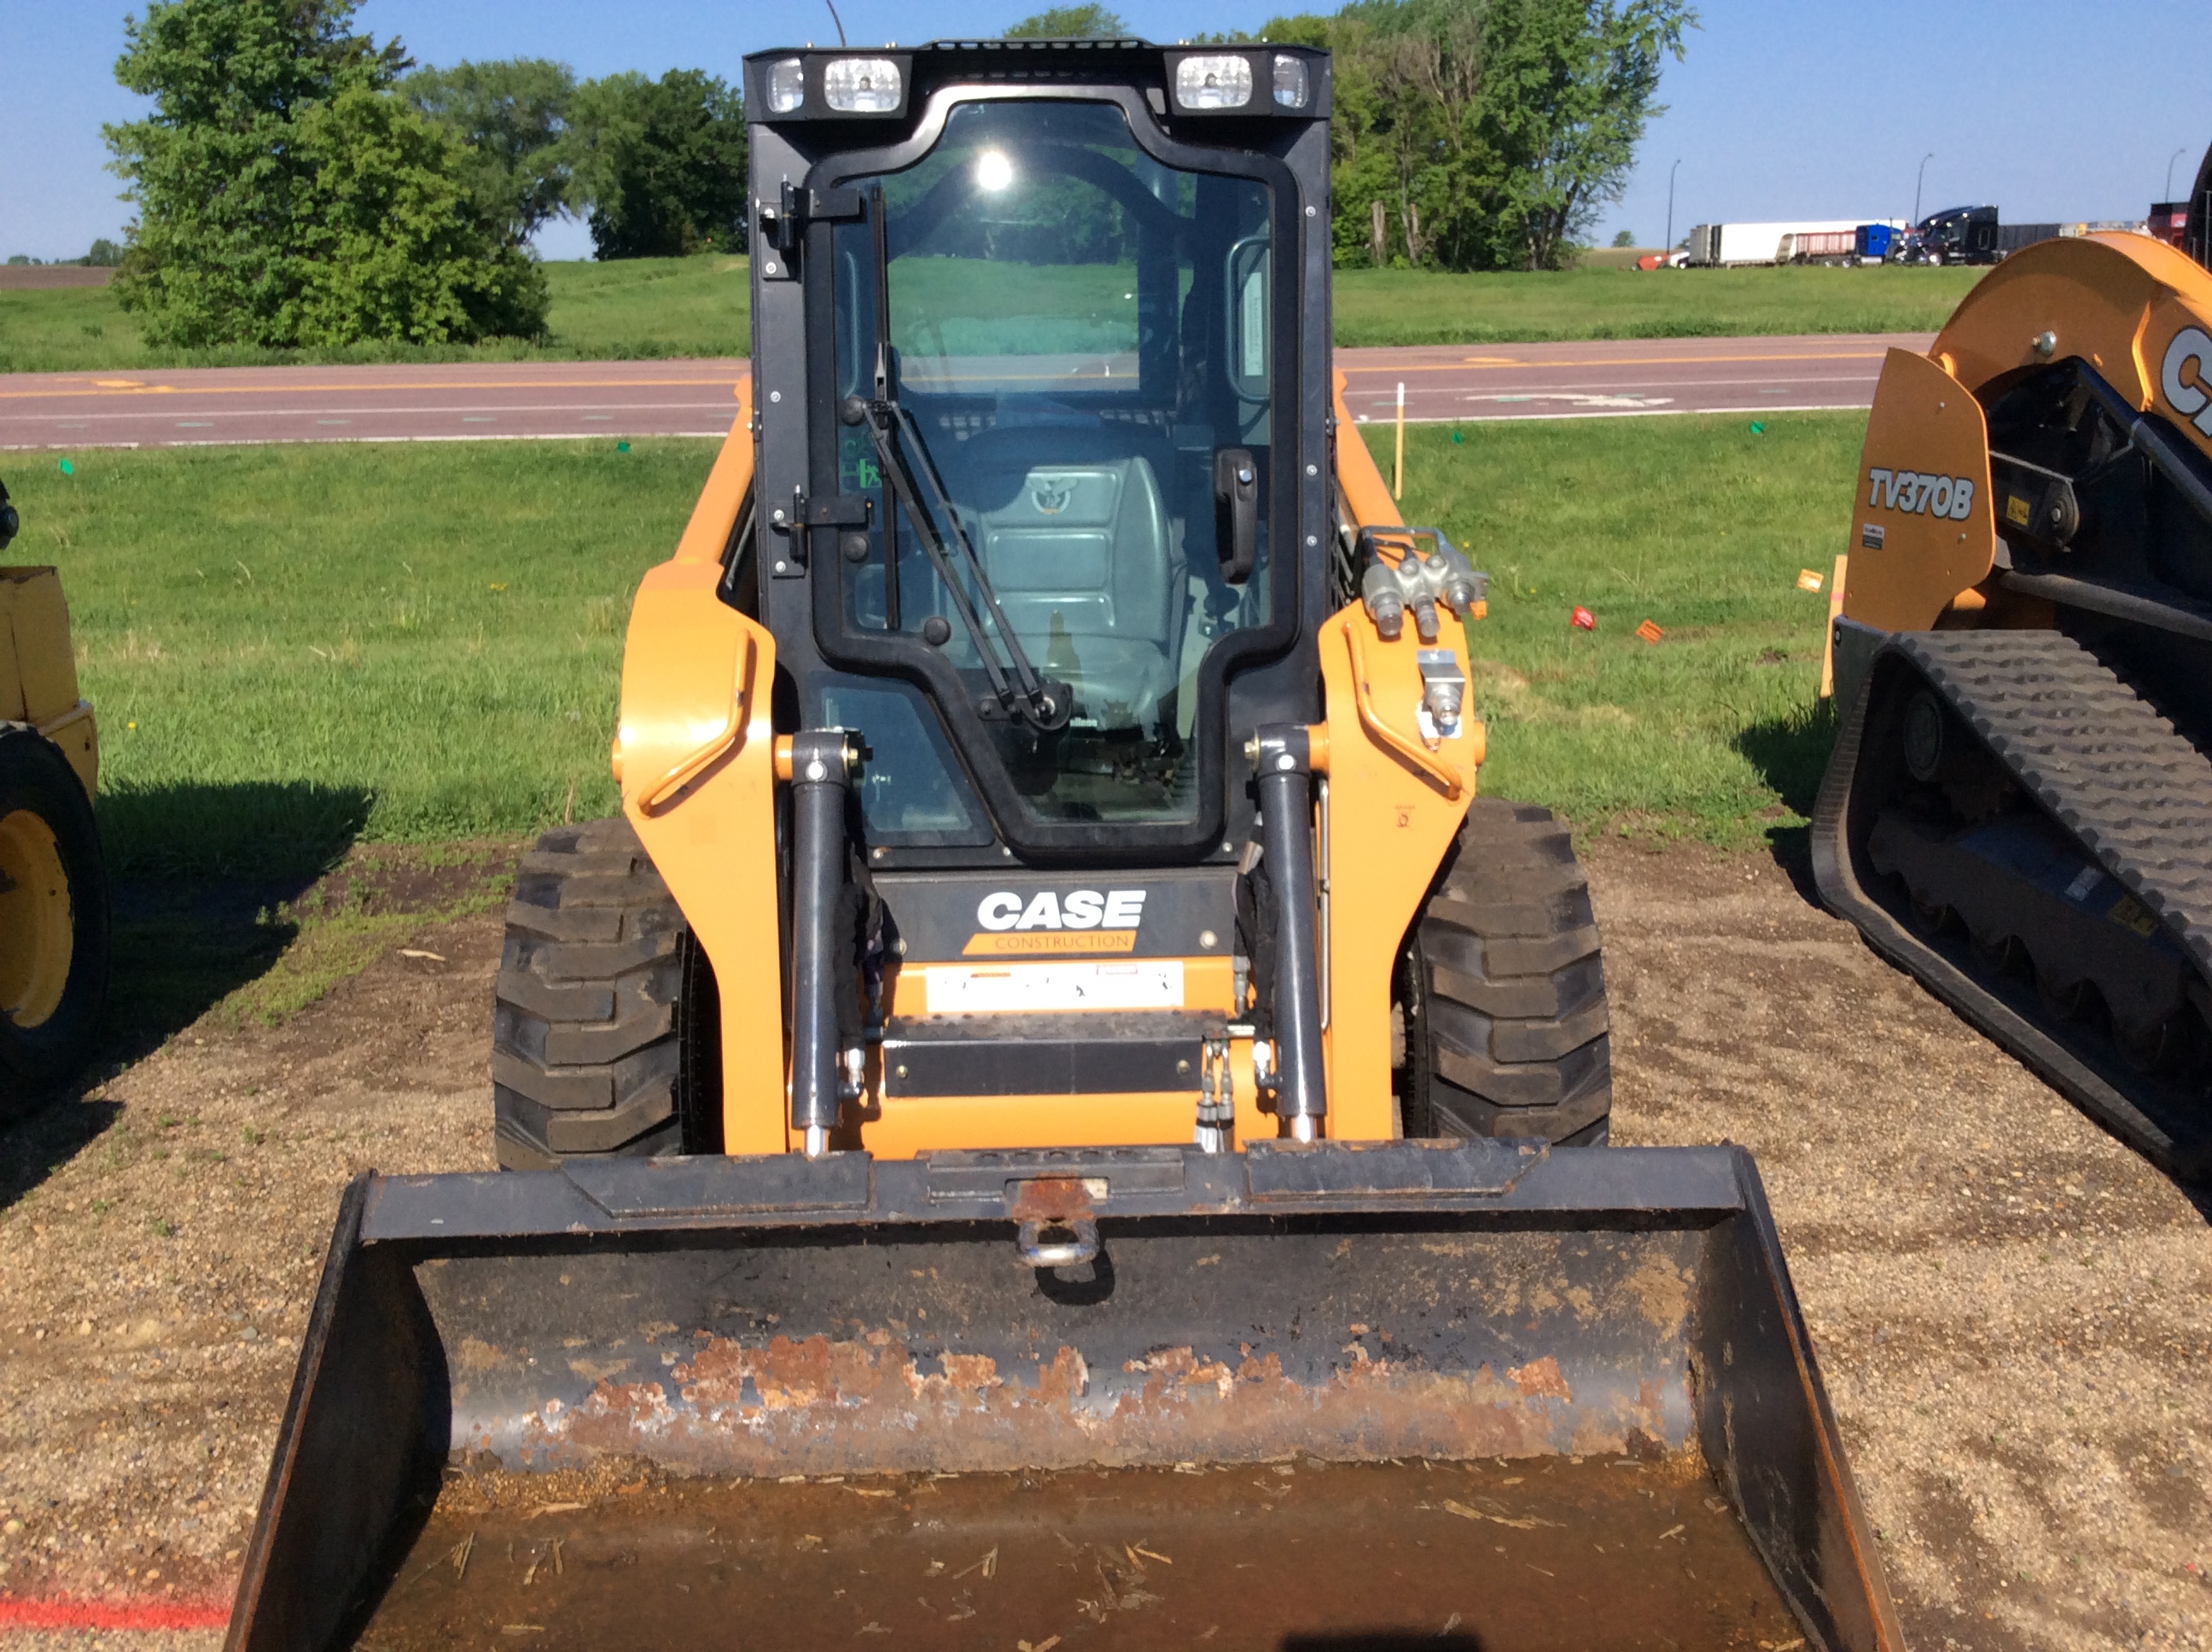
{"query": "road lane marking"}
[(370, 389), (567, 408), (1491, 363)]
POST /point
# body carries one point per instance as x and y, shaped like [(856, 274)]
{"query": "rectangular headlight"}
[(1222, 82), (1290, 82), (787, 86), (862, 86)]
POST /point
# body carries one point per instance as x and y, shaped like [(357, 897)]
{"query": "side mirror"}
[(1236, 513)]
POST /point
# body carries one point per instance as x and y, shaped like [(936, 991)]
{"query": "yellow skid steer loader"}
[(1056, 1116), (53, 879)]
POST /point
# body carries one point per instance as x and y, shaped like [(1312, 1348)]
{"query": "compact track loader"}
[(2019, 809), (53, 879), (1056, 1114)]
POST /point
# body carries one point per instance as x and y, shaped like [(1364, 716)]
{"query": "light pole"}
[(2175, 156), (1668, 244), (1923, 174)]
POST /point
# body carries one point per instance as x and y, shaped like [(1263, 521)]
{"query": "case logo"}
[(1916, 495), (2190, 397), (1051, 923), (1084, 908)]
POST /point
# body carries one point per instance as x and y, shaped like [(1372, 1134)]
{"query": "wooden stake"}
[(1828, 643), (1398, 470)]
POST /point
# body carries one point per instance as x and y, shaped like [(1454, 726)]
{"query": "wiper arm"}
[(1043, 704)]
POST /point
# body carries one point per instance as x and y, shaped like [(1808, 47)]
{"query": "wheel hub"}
[(37, 931)]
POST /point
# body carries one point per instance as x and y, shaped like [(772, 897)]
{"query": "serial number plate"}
[(1032, 987)]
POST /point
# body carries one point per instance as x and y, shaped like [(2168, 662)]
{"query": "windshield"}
[(1080, 335)]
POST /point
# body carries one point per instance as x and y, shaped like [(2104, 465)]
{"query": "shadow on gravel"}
[(1790, 754), (201, 880), (202, 877), (33, 1148)]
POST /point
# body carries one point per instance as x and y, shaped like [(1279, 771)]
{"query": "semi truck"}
[(1816, 241)]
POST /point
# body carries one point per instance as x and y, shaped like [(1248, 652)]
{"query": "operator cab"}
[(1043, 475)]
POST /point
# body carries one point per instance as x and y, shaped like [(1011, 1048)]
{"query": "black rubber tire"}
[(36, 1062), (604, 1013), (1501, 987)]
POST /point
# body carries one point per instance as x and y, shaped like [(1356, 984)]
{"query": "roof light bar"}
[(863, 86), (1215, 81), (787, 86)]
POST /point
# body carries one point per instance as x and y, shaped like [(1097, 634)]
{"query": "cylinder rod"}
[(820, 763), (1285, 788)]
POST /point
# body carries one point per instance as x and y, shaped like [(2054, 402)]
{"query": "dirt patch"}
[(2013, 1312), (159, 1241)]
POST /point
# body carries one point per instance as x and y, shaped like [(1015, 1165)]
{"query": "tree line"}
[(301, 184), (1484, 133)]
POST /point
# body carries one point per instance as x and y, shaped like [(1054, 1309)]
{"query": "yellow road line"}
[(1478, 363), (298, 389)]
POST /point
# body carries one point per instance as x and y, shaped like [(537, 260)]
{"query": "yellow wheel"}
[(54, 922)]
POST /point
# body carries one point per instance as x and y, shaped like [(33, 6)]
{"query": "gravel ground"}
[(2013, 1312)]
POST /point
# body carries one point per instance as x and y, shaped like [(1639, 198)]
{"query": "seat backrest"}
[(1084, 547)]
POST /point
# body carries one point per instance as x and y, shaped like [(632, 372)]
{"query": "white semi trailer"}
[(1717, 245)]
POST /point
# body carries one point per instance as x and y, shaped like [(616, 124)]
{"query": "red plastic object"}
[(62, 1612), (1583, 620)]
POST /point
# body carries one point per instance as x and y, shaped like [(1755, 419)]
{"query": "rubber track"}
[(2105, 765), (2098, 758)]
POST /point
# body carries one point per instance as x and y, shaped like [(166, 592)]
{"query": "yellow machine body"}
[(696, 759), (38, 669), (2135, 310), (2023, 671)]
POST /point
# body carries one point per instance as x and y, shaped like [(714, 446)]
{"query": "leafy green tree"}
[(660, 163), (1484, 134), (1086, 22), (1571, 84), (512, 115), (288, 196), (1624, 238)]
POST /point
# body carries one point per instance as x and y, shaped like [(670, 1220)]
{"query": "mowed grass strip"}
[(1407, 306), (1697, 523), (632, 309), (640, 309), (292, 648)]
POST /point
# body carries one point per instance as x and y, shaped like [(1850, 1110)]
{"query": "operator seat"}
[(1077, 541)]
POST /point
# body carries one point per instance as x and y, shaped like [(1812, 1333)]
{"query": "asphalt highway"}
[(550, 400)]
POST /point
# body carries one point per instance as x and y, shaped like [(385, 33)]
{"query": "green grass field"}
[(292, 647), (390, 661), (1697, 523), (1405, 306), (635, 309), (645, 308)]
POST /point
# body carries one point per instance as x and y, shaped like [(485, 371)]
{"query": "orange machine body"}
[(1924, 523), (695, 757)]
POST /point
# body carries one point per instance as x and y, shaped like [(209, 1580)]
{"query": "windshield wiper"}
[(1042, 704)]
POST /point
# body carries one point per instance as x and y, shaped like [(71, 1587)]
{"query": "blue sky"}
[(2050, 108)]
